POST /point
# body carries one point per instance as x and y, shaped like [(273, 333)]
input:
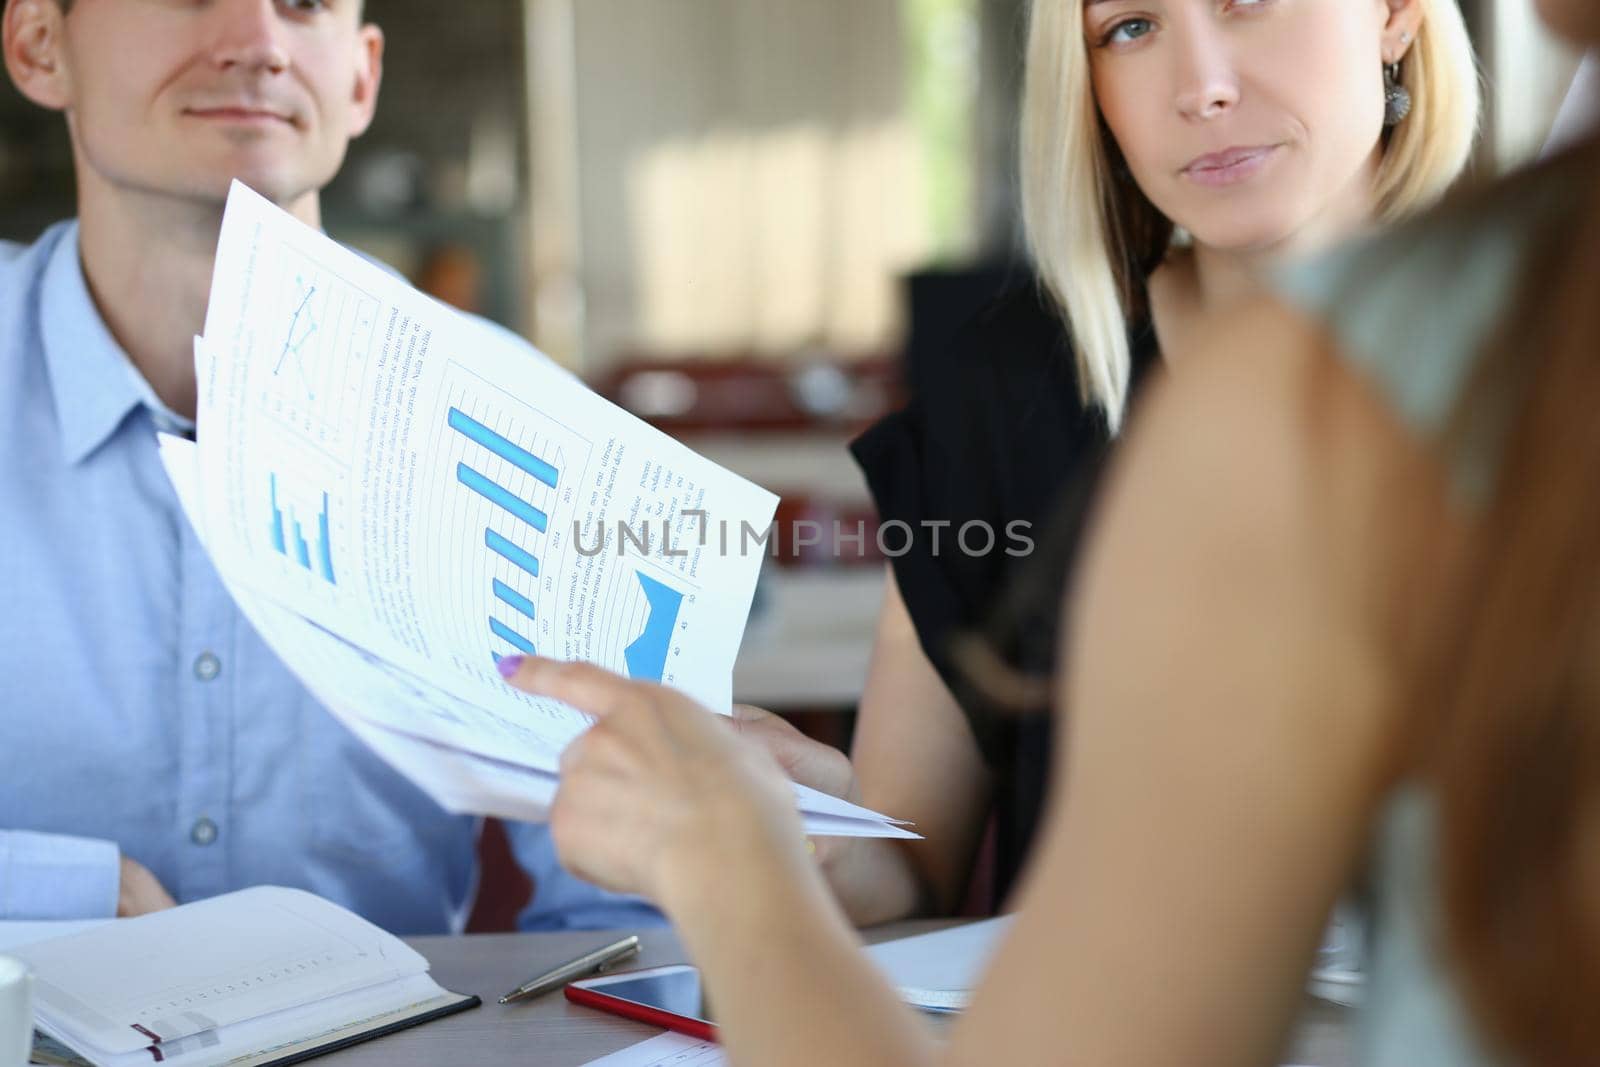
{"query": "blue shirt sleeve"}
[(562, 901), (53, 876)]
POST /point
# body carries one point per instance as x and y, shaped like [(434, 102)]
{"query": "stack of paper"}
[(397, 495), (262, 976)]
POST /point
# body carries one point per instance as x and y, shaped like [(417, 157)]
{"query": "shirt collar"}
[(94, 383)]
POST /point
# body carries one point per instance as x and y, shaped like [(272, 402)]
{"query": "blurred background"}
[(735, 217)]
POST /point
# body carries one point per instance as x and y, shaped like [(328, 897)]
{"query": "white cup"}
[(16, 1012)]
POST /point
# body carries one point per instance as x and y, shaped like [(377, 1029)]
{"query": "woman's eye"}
[(1128, 30), (305, 6)]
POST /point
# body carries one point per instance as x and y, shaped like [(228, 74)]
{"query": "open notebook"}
[(262, 976)]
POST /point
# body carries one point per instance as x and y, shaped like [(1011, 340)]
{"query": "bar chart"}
[(293, 536), (520, 485)]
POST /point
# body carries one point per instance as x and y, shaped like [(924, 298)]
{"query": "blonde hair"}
[(1092, 238)]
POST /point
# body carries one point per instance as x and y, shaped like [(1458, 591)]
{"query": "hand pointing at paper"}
[(664, 798), (660, 790)]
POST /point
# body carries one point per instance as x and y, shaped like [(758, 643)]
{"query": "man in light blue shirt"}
[(151, 747)]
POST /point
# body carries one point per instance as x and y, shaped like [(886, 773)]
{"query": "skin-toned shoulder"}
[(1232, 695), (1281, 387)]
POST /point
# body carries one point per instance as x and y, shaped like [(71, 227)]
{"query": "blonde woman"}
[(1255, 129)]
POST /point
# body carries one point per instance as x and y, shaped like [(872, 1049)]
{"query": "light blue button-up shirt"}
[(139, 710)]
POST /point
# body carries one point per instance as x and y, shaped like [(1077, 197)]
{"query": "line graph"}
[(328, 332), (301, 327)]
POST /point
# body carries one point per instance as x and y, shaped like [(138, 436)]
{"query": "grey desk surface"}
[(551, 1031)]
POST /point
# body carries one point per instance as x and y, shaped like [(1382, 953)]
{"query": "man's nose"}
[(248, 34)]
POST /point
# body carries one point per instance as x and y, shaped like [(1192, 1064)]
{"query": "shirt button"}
[(207, 667), (203, 832)]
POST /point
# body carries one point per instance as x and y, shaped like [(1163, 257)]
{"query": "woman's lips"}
[(1230, 166)]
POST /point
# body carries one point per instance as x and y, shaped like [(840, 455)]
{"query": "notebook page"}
[(214, 963)]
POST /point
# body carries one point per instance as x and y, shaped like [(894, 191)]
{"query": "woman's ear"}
[(1401, 28), (33, 32)]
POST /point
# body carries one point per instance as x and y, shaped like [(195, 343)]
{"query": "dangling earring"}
[(1396, 97)]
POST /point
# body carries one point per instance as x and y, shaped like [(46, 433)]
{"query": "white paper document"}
[(938, 971), (665, 1050), (398, 495)]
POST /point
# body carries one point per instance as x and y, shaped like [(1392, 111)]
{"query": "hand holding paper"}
[(656, 784), (398, 496)]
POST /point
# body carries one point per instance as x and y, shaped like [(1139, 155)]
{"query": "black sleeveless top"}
[(996, 434)]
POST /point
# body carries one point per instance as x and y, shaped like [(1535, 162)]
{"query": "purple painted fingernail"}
[(508, 665)]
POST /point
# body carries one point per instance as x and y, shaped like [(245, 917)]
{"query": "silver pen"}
[(581, 967)]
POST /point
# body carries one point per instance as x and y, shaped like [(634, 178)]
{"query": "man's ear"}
[(1401, 29), (369, 74), (33, 33)]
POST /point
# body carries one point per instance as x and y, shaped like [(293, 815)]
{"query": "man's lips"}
[(1229, 165), (240, 113)]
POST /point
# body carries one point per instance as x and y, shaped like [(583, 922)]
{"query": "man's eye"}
[(305, 7)]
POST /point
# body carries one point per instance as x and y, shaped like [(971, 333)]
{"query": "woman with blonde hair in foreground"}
[(1345, 595), (1261, 129)]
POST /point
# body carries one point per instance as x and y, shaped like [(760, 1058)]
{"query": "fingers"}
[(586, 687), (762, 726), (805, 760), (749, 713), (140, 892)]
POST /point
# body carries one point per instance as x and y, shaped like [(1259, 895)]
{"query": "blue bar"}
[(514, 598), (510, 636), (277, 517), (301, 549), (526, 560), (497, 495), (506, 450), (327, 550)]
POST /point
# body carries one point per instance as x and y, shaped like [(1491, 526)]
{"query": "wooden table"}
[(550, 1031)]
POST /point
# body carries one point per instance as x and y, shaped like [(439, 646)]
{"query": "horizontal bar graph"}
[(497, 494), (510, 596), (520, 498), (510, 636), (507, 450), (519, 556)]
